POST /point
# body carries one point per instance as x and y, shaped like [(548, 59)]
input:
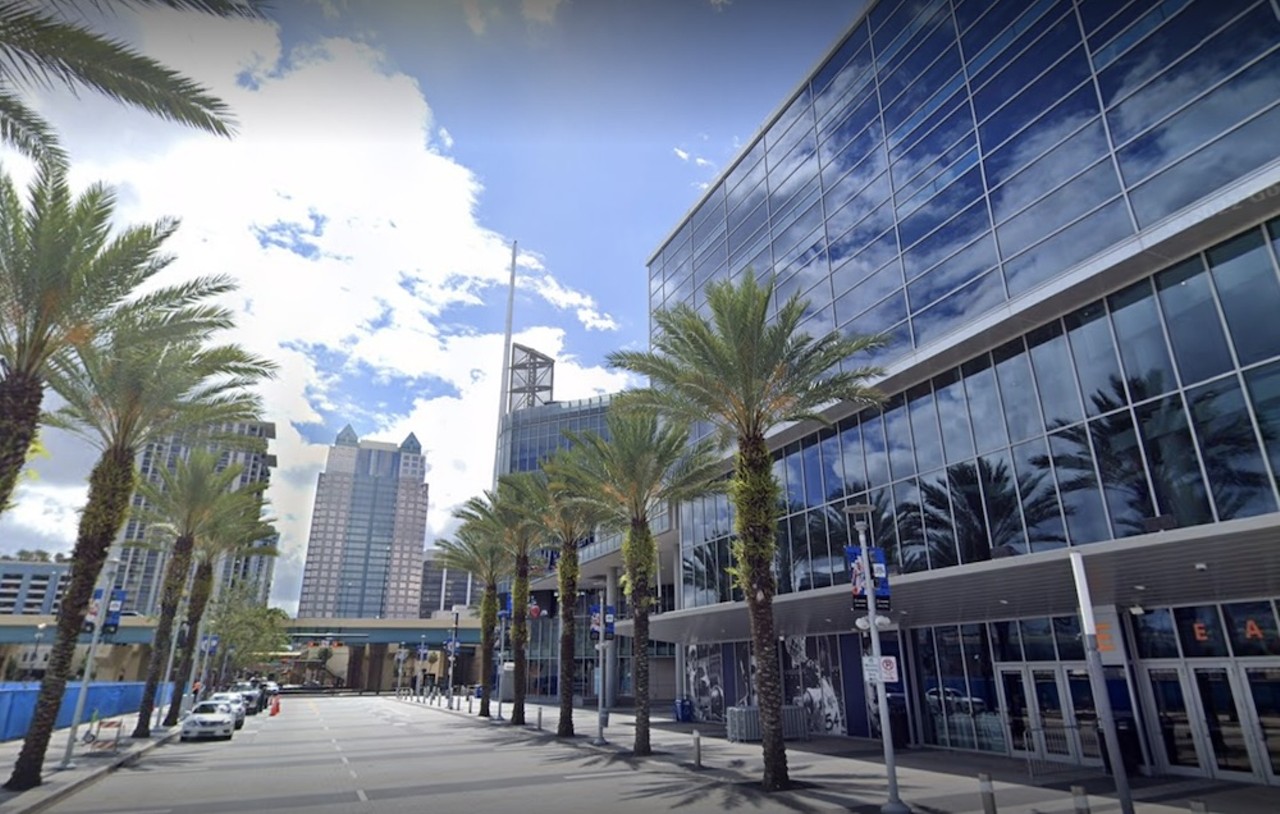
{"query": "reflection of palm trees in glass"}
[(701, 565), (1226, 448), (978, 534)]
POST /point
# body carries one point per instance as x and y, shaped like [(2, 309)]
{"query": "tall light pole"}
[(108, 585), (453, 651), (859, 512), (502, 657), (601, 646), (35, 656), (1098, 682)]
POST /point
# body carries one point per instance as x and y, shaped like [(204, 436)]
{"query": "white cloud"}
[(702, 162), (539, 11), (446, 138), (681, 154), (365, 224)]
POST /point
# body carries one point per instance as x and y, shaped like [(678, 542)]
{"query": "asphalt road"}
[(374, 754)]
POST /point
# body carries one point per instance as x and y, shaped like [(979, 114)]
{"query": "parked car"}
[(234, 700), (209, 719), (252, 696), (271, 687), (949, 699)]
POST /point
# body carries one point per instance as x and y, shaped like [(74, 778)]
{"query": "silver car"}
[(233, 700), (209, 719)]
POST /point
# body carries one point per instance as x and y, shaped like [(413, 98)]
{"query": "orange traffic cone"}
[(275, 706)]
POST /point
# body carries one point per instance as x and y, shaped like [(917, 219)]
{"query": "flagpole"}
[(505, 384)]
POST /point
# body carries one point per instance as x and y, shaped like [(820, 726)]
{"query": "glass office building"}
[(1066, 216)]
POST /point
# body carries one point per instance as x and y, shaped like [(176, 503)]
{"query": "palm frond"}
[(28, 131)]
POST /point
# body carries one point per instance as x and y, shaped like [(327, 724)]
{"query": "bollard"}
[(1199, 806), (697, 749), (539, 719), (1081, 799), (470, 698), (988, 793)]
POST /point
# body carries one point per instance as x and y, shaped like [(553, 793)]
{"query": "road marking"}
[(364, 798), (352, 772), (344, 759), (594, 775)]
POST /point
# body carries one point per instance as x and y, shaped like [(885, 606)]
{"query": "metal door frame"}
[(1257, 743)]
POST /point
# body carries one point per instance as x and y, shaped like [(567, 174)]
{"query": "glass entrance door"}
[(1053, 726), (1177, 732), (1017, 712), (1264, 696), (1085, 713), (1223, 725)]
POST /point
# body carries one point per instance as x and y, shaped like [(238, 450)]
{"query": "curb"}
[(89, 777)]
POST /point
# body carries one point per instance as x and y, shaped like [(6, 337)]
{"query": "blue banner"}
[(858, 579), (112, 623)]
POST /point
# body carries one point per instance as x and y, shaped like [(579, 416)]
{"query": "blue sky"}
[(387, 155)]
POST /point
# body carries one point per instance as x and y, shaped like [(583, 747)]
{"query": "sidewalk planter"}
[(743, 724)]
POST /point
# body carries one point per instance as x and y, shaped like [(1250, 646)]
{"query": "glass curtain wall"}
[(1161, 399)]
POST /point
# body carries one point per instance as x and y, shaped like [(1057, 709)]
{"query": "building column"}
[(610, 678)]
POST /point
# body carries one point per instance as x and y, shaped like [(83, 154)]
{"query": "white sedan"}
[(209, 719), (234, 700)]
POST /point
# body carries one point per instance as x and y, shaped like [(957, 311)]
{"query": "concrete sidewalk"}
[(91, 761), (849, 772)]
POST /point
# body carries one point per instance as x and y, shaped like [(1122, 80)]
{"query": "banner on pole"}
[(858, 580)]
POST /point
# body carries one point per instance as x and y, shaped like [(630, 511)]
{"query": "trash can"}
[(684, 710)]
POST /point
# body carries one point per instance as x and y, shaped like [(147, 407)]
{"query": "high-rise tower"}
[(364, 554)]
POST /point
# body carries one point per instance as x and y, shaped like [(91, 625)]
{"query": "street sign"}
[(889, 669), (883, 670), (452, 647), (858, 581), (871, 669)]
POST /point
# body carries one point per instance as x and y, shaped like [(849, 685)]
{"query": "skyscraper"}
[(145, 556), (364, 554)]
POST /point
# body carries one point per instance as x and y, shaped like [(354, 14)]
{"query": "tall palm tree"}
[(42, 45), (510, 514), (139, 382), (746, 371), (485, 558), (567, 522), (194, 497), (238, 535), (646, 461), (62, 275)]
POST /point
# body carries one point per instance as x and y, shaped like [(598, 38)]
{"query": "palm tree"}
[(510, 514), (42, 47), (485, 558), (151, 376), (567, 522), (191, 499), (646, 461), (62, 276), (237, 536), (746, 373)]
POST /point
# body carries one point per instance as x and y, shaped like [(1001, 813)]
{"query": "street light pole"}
[(894, 805), (108, 582), (453, 652), (35, 657), (601, 645), (502, 658), (1098, 682)]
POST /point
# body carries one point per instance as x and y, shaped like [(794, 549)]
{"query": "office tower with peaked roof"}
[(364, 553)]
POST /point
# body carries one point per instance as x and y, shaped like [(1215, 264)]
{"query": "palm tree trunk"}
[(110, 488), (639, 559), (174, 581), (567, 573), (755, 501), (520, 635), (201, 587), (20, 398), (488, 618)]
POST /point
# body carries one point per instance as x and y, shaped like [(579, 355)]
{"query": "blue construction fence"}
[(106, 699)]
